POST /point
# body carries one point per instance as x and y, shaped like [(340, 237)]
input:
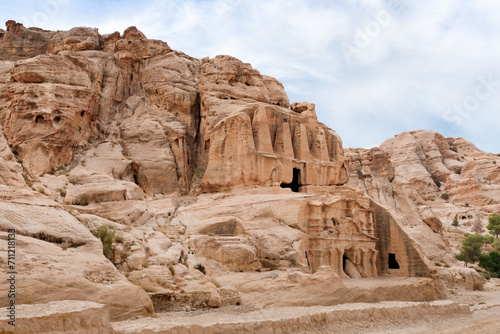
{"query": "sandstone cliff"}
[(425, 180), (206, 171)]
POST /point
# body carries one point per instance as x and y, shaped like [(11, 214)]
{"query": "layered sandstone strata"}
[(204, 169)]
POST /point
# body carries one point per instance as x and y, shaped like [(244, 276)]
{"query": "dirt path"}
[(484, 318), (481, 321)]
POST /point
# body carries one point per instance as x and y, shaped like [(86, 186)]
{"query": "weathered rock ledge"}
[(288, 319), (66, 316)]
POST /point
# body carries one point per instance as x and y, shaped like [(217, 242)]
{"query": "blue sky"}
[(374, 68)]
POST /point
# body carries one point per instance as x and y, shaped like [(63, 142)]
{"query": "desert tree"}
[(494, 224)]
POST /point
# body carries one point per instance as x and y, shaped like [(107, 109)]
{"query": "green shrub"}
[(438, 264), (496, 245), (490, 262), (106, 235), (145, 265), (445, 196), (488, 239), (458, 170), (466, 205), (494, 224), (172, 269), (486, 276), (294, 262), (471, 248), (455, 221), (437, 182), (119, 239)]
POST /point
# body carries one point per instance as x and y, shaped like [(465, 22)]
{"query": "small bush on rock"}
[(172, 269), (107, 236)]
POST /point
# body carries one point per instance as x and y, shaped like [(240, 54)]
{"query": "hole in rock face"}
[(344, 259), (136, 180), (295, 185), (57, 119), (39, 119), (82, 113), (393, 263)]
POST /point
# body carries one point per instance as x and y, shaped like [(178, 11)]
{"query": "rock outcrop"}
[(207, 173), (423, 179), (275, 144)]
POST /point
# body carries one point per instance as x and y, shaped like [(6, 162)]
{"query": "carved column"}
[(367, 263), (374, 263)]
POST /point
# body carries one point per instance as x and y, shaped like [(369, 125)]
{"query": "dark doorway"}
[(295, 185), (393, 264), (344, 259)]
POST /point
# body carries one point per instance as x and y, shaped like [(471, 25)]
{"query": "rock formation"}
[(424, 179), (209, 176)]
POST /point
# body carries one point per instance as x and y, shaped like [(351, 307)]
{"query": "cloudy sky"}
[(374, 68)]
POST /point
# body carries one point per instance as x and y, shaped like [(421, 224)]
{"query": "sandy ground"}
[(485, 317)]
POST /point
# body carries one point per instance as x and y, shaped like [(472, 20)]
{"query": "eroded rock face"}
[(275, 142), (204, 168), (21, 43), (421, 156), (49, 106), (58, 255), (433, 180), (397, 205), (469, 175), (72, 86)]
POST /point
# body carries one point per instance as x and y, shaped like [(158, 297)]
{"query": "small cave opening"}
[(39, 119), (57, 119), (82, 113), (344, 260), (393, 263), (136, 179), (295, 184)]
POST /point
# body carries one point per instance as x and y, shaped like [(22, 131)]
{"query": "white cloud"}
[(417, 65)]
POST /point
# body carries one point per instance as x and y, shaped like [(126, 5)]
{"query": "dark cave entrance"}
[(393, 263), (295, 185), (344, 259)]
